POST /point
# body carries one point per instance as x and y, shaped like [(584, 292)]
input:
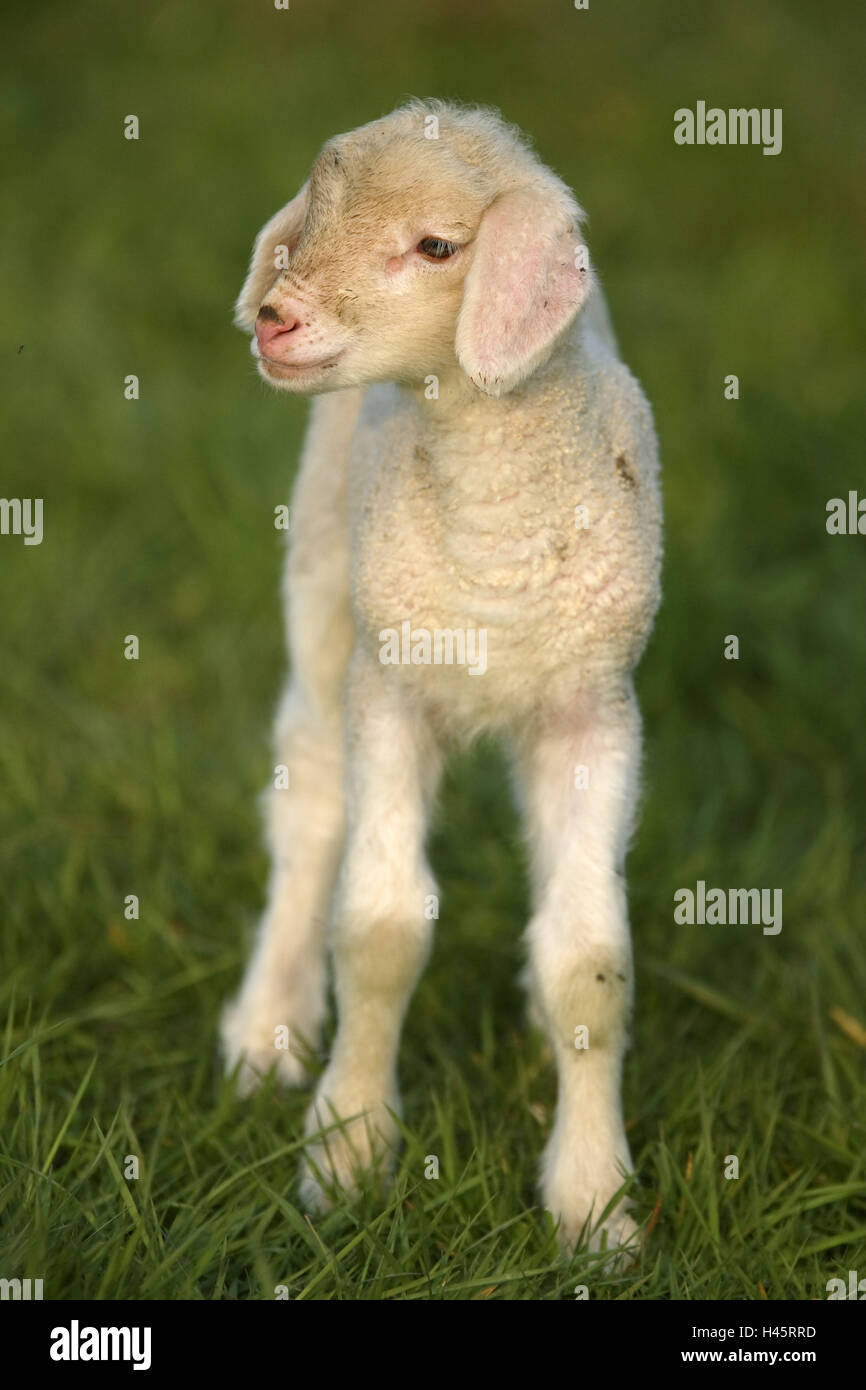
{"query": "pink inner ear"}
[(522, 290)]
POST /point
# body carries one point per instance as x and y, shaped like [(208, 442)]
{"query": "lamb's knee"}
[(382, 955), (306, 788), (585, 993), (383, 923)]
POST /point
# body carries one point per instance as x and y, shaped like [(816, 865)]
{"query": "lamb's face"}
[(405, 257), (374, 264)]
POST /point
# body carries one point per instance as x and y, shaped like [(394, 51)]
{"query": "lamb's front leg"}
[(285, 981), (578, 782), (381, 929)]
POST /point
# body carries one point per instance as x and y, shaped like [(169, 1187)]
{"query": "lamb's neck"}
[(472, 441)]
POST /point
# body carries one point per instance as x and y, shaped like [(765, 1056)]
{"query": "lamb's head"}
[(429, 242)]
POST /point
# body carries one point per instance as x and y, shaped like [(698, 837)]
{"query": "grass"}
[(141, 777)]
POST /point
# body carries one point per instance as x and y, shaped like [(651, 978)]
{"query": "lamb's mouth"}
[(289, 370)]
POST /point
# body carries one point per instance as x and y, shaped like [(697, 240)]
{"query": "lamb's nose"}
[(267, 329)]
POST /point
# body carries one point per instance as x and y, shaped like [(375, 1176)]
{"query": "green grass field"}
[(124, 777)]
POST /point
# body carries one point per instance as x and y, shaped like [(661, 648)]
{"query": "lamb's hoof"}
[(253, 1052), (616, 1238), (356, 1149), (620, 1235)]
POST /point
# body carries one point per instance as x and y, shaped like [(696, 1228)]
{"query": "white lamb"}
[(484, 471)]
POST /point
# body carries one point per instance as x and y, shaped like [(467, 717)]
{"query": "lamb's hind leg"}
[(578, 780), (284, 985)]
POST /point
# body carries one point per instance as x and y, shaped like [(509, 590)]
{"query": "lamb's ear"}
[(282, 230), (528, 278)]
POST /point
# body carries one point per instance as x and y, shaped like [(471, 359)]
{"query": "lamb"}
[(478, 460)]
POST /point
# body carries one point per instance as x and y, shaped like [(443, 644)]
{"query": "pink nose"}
[(267, 330)]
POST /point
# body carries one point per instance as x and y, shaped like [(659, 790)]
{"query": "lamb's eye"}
[(435, 249)]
